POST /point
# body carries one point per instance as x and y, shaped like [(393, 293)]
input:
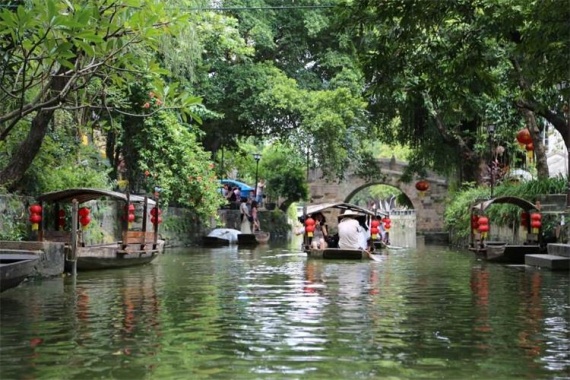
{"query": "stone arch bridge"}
[(429, 207)]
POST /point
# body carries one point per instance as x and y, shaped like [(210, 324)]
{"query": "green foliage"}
[(161, 152), (457, 214), (284, 173), (13, 219), (438, 72)]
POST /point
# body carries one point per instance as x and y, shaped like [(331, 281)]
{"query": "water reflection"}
[(269, 312)]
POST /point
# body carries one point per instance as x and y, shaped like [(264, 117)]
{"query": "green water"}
[(270, 313)]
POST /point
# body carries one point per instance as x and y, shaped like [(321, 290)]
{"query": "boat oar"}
[(373, 256)]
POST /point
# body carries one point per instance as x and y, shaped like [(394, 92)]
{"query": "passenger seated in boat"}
[(320, 233)]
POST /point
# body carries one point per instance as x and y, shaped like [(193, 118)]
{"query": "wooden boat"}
[(15, 268), (510, 253), (247, 240), (252, 240), (499, 251), (220, 237), (262, 236), (129, 244), (333, 211)]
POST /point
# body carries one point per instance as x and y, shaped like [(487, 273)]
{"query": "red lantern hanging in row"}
[(374, 229), (474, 223), (129, 214), (524, 219), (155, 215), (35, 216), (422, 186), (483, 227), (84, 218), (535, 222), (387, 224), (61, 219), (309, 226)]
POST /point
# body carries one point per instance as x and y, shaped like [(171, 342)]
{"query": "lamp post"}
[(256, 157), (491, 133)]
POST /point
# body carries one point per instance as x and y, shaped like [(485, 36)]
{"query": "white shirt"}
[(350, 234)]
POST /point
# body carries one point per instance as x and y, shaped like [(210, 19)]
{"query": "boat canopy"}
[(342, 206), (83, 195), (522, 203)]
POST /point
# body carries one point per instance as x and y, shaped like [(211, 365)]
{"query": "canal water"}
[(270, 313)]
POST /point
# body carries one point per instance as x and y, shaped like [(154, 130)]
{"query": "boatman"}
[(350, 232)]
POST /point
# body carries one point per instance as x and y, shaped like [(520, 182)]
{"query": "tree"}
[(282, 168), (295, 83), (440, 71), (53, 50)]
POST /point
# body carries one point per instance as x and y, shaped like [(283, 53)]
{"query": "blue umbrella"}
[(244, 188)]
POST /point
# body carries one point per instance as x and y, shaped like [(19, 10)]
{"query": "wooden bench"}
[(141, 238)]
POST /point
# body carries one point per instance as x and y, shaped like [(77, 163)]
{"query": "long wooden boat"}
[(500, 251), (15, 268), (510, 253), (332, 211), (136, 243)]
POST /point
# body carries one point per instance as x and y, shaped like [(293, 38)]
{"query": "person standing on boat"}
[(349, 232), (320, 232), (245, 217)]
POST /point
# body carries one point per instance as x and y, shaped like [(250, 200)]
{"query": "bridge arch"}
[(429, 207)]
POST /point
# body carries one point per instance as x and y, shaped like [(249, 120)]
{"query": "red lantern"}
[(483, 226), (35, 209), (535, 222), (474, 223), (35, 219), (84, 220), (84, 211), (523, 137), (35, 216), (422, 186), (155, 215), (130, 216), (524, 219), (309, 226), (387, 223), (374, 232)]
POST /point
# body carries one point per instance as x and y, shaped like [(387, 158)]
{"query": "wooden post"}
[(74, 235), (145, 214)]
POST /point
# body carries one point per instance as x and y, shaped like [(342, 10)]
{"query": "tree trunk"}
[(542, 171), (24, 155)]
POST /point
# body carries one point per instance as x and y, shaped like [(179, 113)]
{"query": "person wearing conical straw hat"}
[(350, 232)]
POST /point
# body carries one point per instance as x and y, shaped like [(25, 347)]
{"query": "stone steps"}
[(557, 258)]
